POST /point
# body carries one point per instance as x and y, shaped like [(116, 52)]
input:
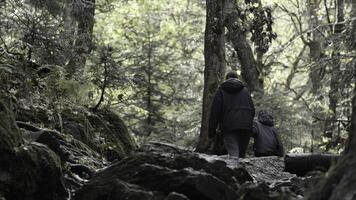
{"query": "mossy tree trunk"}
[(83, 42), (236, 35), (334, 93), (314, 42), (10, 136), (214, 53)]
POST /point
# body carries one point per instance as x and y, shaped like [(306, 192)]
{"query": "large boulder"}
[(31, 172), (27, 171), (78, 160), (164, 171), (10, 135), (84, 140), (103, 131), (116, 189), (117, 142), (71, 150), (191, 183)]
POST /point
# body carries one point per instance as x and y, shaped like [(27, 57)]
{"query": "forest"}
[(111, 99)]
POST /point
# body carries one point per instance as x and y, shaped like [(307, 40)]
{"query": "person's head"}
[(231, 74), (265, 117)]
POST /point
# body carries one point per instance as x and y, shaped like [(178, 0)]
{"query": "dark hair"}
[(231, 74), (264, 116)]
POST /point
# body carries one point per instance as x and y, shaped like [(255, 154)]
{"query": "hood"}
[(232, 85), (265, 118)]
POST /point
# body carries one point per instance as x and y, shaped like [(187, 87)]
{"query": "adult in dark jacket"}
[(233, 111), (267, 141)]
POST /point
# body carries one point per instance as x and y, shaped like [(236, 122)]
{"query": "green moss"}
[(10, 135), (103, 131), (35, 173), (115, 133)]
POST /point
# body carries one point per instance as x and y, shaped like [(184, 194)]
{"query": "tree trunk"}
[(149, 104), (83, 43), (335, 68), (214, 54), (69, 26), (103, 87), (352, 31), (68, 23), (315, 49), (249, 68), (351, 147)]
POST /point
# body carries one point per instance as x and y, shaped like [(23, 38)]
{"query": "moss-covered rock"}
[(102, 131), (118, 141), (71, 150), (164, 171), (36, 115), (10, 136), (30, 171), (79, 162), (116, 189)]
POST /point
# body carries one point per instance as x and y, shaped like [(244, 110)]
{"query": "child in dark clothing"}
[(267, 141)]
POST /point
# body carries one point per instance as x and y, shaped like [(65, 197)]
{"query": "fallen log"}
[(302, 163)]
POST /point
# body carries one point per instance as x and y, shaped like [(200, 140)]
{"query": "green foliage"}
[(32, 34), (257, 20), (107, 74), (162, 53), (147, 63), (59, 89)]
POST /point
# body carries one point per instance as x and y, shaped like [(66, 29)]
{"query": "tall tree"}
[(214, 71), (236, 34), (339, 182), (314, 42), (83, 44), (159, 49), (335, 68), (226, 14)]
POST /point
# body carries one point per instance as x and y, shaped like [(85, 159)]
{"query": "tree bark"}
[(83, 43), (68, 23), (315, 45), (352, 31), (214, 54), (103, 87), (235, 34), (335, 68), (149, 91), (351, 145)]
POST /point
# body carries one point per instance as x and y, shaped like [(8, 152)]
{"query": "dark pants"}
[(236, 142)]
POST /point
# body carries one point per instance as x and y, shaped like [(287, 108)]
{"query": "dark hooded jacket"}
[(267, 141), (232, 108)]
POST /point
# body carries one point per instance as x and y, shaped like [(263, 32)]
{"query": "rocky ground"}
[(164, 171), (85, 155)]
